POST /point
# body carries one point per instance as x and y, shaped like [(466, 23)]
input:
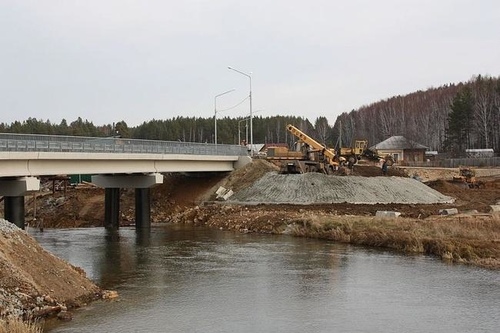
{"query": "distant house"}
[(471, 153), (401, 149), (431, 155)]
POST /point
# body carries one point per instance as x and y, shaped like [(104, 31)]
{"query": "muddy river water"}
[(182, 278)]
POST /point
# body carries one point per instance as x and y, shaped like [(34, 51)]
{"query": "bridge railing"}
[(112, 145)]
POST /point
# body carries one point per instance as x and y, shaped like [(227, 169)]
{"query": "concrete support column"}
[(142, 208), (14, 210), (112, 208), (141, 184), (13, 190)]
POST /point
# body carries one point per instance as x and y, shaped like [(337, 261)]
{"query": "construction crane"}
[(328, 152), (310, 155)]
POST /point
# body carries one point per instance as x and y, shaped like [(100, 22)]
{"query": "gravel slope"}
[(35, 283), (318, 188)]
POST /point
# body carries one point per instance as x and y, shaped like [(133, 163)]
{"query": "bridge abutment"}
[(142, 185), (13, 191)]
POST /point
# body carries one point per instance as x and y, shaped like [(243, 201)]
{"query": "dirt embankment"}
[(192, 199), (471, 237), (33, 282)]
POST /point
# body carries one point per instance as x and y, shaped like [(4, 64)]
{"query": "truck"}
[(308, 156)]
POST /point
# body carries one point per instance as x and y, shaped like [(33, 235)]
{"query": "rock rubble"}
[(33, 282)]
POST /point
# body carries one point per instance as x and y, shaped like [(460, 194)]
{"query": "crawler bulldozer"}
[(467, 178)]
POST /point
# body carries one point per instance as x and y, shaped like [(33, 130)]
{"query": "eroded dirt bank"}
[(34, 283)]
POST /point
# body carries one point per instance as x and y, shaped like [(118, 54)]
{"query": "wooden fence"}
[(456, 162)]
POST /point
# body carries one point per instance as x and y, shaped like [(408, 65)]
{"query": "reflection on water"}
[(180, 278)]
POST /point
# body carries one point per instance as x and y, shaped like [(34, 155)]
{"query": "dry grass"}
[(18, 326), (469, 239)]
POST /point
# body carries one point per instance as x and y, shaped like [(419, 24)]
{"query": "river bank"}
[(467, 239), (34, 283), (471, 237)]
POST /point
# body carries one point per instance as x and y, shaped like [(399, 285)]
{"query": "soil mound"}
[(316, 188), (35, 283), (471, 199), (375, 171)]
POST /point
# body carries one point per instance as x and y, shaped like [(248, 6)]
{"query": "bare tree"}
[(483, 110), (322, 129), (388, 121)]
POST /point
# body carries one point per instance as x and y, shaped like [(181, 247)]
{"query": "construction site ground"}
[(338, 208), (258, 186), (265, 201)]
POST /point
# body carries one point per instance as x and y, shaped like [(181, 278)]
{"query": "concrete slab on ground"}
[(387, 214)]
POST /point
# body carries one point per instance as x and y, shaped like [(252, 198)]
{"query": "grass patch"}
[(474, 240), (18, 326)]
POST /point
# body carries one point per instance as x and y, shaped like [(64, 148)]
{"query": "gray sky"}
[(112, 60)]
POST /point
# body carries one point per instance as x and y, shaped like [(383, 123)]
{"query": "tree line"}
[(187, 129), (450, 118)]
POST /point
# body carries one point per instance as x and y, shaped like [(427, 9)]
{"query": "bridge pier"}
[(142, 208), (13, 191), (112, 208), (142, 185), (14, 210)]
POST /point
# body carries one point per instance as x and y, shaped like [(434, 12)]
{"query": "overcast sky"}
[(113, 60)]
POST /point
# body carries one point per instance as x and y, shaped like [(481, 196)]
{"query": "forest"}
[(449, 119)]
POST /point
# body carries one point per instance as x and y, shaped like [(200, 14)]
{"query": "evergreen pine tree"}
[(459, 122)]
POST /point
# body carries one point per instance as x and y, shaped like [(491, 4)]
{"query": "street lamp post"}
[(215, 112), (249, 75), (246, 126), (246, 130)]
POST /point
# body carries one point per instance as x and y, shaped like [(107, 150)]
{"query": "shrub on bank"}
[(18, 326)]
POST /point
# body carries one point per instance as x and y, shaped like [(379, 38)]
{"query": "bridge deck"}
[(36, 155)]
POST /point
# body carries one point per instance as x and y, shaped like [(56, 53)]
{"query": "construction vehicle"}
[(467, 178), (373, 156), (360, 150), (354, 154), (308, 156), (351, 154)]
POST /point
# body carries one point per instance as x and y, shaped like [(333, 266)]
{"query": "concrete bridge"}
[(114, 163)]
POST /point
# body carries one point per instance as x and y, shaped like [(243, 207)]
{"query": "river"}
[(181, 278)]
